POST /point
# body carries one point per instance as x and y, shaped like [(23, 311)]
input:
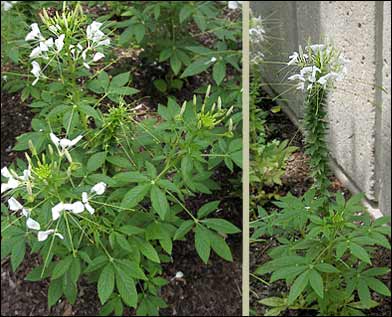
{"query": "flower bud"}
[(183, 108), (231, 124), (68, 156), (230, 111), (219, 103), (213, 107), (32, 148)]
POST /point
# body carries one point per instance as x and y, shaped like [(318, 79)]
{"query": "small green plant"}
[(319, 66), (326, 245), (325, 259), (173, 32)]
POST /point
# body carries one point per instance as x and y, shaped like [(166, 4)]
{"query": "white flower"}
[(7, 5), (293, 59), (36, 71), (59, 42), (64, 143), (36, 52), (34, 34), (98, 56), (324, 79), (99, 189), (213, 59), (94, 34), (26, 213), (43, 235), (14, 205), (32, 224), (233, 5)]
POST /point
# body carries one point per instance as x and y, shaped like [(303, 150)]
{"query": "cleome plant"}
[(102, 193), (326, 243)]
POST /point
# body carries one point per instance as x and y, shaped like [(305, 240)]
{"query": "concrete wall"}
[(359, 113)]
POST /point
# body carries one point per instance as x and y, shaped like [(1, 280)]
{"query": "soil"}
[(297, 181)]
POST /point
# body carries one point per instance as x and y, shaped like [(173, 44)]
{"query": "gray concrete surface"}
[(359, 111)]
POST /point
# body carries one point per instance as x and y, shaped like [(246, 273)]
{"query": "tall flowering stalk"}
[(319, 66)]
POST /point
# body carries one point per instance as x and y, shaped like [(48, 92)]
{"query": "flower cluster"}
[(257, 38), (86, 50), (75, 208), (318, 65)]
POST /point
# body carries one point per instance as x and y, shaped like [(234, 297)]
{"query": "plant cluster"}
[(326, 243), (102, 194)]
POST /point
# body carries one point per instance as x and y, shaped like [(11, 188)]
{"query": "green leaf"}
[(360, 253), (159, 202), (363, 292), (160, 84), (208, 208), (221, 225), (197, 67), (106, 283), (126, 287), (148, 250), (119, 161), (326, 268), (175, 63), (220, 246), (135, 195), (165, 54), (131, 230), (219, 72), (185, 227), (130, 177), (120, 80), (17, 254), (132, 269), (298, 286), (316, 282), (202, 243), (96, 161), (89, 111), (55, 291), (139, 31), (378, 286), (62, 267), (274, 301), (75, 270), (97, 263)]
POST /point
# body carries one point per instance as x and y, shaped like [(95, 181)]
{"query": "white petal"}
[(56, 210), (98, 56), (77, 207), (76, 140), (84, 197), (55, 139), (89, 208), (86, 65), (233, 5), (104, 43), (26, 212), (4, 188), (65, 143), (36, 52), (6, 172), (36, 71), (14, 205), (32, 224), (59, 42), (35, 33), (99, 188), (59, 235), (43, 235)]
